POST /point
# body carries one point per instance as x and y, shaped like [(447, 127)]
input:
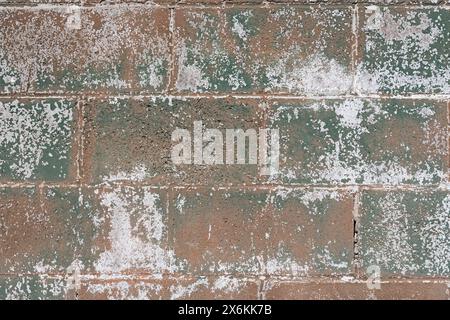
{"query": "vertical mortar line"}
[(79, 138), (80, 146), (448, 141), (263, 107), (172, 55), (355, 214), (170, 226), (39, 188), (260, 294), (355, 46)]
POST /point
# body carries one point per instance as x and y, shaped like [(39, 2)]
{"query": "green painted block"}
[(283, 232), (131, 139), (354, 141), (405, 233), (84, 49), (299, 50), (404, 50), (37, 139), (33, 288)]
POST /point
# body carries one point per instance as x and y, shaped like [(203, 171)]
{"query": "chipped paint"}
[(262, 53), (405, 51), (35, 139), (135, 244), (405, 233), (344, 142), (99, 55)]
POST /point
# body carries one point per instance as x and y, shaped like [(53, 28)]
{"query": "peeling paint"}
[(35, 139), (138, 244)]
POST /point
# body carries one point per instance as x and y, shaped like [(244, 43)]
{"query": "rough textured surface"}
[(404, 51), (406, 232), (61, 49), (102, 231), (37, 139), (262, 50), (34, 288), (46, 230), (92, 206), (355, 141), (130, 139), (223, 287), (284, 231), (357, 290)]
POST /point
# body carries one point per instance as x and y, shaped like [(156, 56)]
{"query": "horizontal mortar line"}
[(352, 188), (359, 280), (205, 5), (210, 5), (443, 97), (143, 184), (247, 277), (130, 275)]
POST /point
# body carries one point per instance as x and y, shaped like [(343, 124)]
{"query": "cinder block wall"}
[(91, 205)]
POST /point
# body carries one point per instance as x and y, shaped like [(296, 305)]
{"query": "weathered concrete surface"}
[(38, 139), (405, 233), (45, 231), (359, 291), (356, 141), (201, 288), (21, 287), (93, 207), (130, 139), (94, 230), (62, 49), (404, 51), (285, 231), (278, 50)]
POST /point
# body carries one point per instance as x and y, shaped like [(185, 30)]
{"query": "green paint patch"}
[(32, 288), (361, 142), (10, 79), (405, 51), (280, 50), (405, 233), (36, 139)]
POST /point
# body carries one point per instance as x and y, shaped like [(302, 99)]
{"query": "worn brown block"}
[(279, 49), (448, 132), (250, 231), (131, 139), (43, 231), (356, 291)]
